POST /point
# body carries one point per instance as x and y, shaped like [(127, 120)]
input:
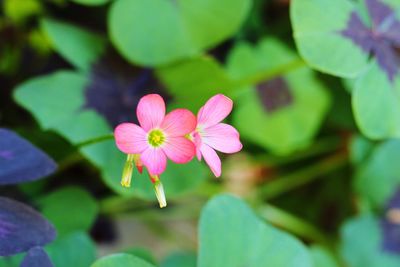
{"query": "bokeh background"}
[(319, 168)]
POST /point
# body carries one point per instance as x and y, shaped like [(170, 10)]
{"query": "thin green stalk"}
[(292, 223), (76, 157), (95, 140), (321, 146), (294, 180)]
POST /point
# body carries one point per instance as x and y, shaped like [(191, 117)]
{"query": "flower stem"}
[(291, 181), (95, 140), (292, 223)]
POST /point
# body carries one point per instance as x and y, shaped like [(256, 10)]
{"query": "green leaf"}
[(81, 209), (21, 11), (362, 244), (322, 257), (121, 260), (316, 24), (143, 253), (231, 235), (160, 32), (76, 249), (377, 179), (57, 100), (192, 82), (180, 259), (289, 127), (360, 149), (78, 46), (376, 104), (90, 2)]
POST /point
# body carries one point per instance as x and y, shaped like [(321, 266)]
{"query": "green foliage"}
[(290, 127), (80, 47), (323, 257), (378, 178), (91, 2), (69, 209), (232, 235), (195, 80), (183, 28), (296, 126), (317, 25), (180, 259), (75, 249), (362, 244), (126, 260)]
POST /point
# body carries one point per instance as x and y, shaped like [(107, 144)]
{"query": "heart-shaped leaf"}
[(22, 228), (183, 28), (379, 177), (231, 235), (119, 260), (192, 82), (362, 244), (75, 249), (180, 259), (283, 111), (317, 25), (80, 47), (82, 209), (365, 39), (20, 161)]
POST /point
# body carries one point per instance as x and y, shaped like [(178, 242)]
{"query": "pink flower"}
[(158, 137), (211, 135)]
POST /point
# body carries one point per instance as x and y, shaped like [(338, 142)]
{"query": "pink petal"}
[(155, 160), (197, 143), (150, 111), (212, 159), (179, 122), (130, 138), (214, 111), (179, 149), (222, 137)]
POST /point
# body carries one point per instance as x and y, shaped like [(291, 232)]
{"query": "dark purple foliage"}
[(391, 228), (116, 88), (381, 39), (20, 161), (22, 228), (36, 257), (274, 94)]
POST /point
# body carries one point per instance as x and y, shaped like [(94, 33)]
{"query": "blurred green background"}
[(317, 179)]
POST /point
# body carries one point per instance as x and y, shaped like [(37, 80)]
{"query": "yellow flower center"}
[(156, 138)]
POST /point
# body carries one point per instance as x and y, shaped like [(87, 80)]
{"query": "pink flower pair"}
[(178, 136)]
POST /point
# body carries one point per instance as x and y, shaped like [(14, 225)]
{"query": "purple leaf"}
[(359, 33), (378, 12), (381, 40), (274, 94), (116, 87), (20, 161), (36, 257), (22, 228)]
